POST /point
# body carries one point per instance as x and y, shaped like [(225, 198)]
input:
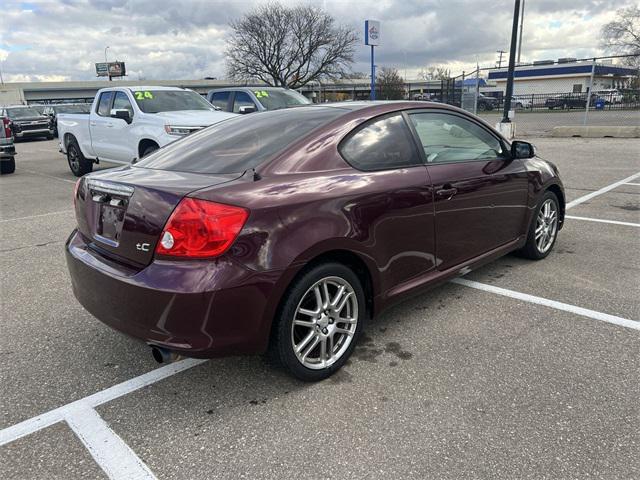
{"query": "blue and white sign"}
[(372, 32)]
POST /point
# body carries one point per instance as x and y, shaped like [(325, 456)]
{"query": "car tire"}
[(50, 136), (7, 166), (482, 107), (536, 247), (77, 163), (150, 149), (299, 347)]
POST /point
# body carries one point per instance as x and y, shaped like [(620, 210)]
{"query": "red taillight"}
[(6, 124), (200, 229)]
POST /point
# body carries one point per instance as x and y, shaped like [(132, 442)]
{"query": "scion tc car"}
[(287, 230)]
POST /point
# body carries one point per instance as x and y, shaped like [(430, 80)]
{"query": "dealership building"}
[(564, 76)]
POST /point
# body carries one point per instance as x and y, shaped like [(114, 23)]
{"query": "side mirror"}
[(522, 150), (122, 114), (246, 109)]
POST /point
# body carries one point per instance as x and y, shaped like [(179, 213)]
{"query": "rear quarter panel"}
[(76, 125)]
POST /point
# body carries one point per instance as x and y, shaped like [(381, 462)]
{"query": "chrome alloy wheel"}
[(546, 226), (324, 323)]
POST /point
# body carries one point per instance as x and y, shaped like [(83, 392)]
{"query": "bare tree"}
[(434, 73), (288, 46), (622, 35), (391, 84)]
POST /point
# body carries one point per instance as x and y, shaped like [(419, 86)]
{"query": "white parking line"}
[(109, 451), (636, 184), (589, 196), (56, 415), (584, 312), (615, 222), (35, 216), (33, 172)]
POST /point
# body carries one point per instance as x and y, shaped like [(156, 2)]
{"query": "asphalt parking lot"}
[(523, 370)]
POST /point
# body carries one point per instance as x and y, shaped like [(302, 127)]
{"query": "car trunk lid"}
[(122, 212)]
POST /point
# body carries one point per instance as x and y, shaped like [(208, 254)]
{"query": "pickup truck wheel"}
[(482, 107), (8, 166), (149, 149), (77, 163)]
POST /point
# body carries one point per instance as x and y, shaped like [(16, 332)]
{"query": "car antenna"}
[(256, 175)]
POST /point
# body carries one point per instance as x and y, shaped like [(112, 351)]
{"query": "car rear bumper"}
[(7, 151), (202, 310)]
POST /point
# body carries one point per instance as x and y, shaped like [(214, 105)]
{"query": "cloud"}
[(165, 39)]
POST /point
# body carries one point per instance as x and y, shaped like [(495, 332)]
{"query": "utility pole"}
[(521, 25), (512, 63), (501, 52)]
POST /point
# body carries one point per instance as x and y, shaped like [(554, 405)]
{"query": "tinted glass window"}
[(240, 143), (382, 144), (121, 102), (243, 99), (275, 99), (156, 101), (104, 107), (26, 112), (70, 109), (220, 99), (449, 138)]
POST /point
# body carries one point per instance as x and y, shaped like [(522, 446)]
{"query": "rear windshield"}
[(156, 101), (22, 112), (276, 99), (239, 143)]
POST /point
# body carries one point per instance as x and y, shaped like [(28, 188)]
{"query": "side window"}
[(449, 138), (243, 99), (121, 102), (220, 100), (104, 105), (383, 144)]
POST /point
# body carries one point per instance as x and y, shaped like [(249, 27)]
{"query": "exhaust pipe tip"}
[(162, 355)]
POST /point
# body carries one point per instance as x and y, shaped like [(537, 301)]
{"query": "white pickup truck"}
[(127, 123)]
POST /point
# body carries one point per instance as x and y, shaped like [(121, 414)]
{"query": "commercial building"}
[(563, 76)]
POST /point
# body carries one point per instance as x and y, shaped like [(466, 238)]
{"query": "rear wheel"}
[(7, 166), (77, 163), (543, 230), (320, 321), (482, 107)]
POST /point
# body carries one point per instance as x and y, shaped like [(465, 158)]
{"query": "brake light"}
[(6, 124), (201, 229)]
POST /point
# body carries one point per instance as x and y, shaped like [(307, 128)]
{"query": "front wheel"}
[(320, 320), (543, 230)]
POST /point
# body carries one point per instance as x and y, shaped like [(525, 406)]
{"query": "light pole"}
[(521, 28), (512, 63), (105, 61)]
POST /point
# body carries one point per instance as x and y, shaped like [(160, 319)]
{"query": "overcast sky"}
[(174, 39)]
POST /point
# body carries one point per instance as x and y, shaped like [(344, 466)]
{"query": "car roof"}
[(155, 88)]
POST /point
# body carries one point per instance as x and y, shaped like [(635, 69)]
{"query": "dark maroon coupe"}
[(289, 229)]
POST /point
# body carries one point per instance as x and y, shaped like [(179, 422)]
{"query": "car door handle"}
[(447, 192)]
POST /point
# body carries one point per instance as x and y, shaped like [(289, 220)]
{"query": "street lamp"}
[(105, 61)]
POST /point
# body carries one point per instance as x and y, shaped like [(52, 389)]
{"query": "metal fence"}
[(567, 92)]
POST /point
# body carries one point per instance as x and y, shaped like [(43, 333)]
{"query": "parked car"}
[(569, 101), (52, 112), (521, 101), (248, 100), (27, 122), (128, 123), (7, 149), (486, 103), (290, 229), (611, 96)]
